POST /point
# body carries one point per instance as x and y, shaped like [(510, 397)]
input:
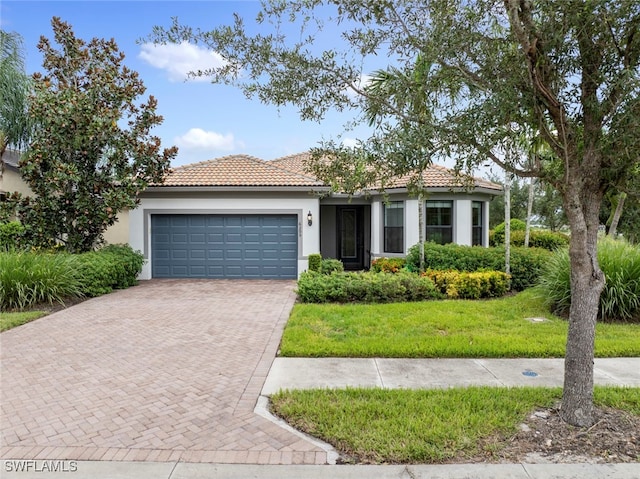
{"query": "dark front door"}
[(350, 229)]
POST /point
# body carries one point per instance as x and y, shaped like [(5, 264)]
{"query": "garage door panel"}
[(231, 221), (233, 238), (215, 254), (178, 221), (179, 238), (224, 246), (197, 238), (197, 221), (197, 254)]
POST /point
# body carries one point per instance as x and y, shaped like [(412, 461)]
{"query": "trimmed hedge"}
[(527, 264), (314, 261), (112, 267), (330, 265), (465, 285), (11, 235), (388, 265), (516, 225), (550, 240), (367, 287)]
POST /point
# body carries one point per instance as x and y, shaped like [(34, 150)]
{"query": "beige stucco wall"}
[(117, 234), (12, 181)]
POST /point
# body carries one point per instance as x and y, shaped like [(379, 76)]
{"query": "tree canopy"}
[(91, 152), (486, 71), (14, 91)]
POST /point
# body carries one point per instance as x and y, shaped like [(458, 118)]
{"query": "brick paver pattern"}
[(169, 370)]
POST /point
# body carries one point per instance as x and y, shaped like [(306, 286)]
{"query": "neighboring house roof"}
[(236, 170), (435, 176), (11, 158)]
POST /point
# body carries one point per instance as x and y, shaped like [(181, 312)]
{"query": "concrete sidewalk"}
[(308, 373), (297, 373), (181, 470)]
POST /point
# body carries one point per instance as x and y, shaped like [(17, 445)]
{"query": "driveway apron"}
[(169, 370)]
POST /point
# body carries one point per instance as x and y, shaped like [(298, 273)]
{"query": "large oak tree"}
[(488, 70)]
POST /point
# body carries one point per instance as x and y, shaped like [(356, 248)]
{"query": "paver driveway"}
[(169, 370)]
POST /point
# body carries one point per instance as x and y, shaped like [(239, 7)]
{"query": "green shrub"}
[(330, 265), (112, 267), (314, 261), (550, 240), (11, 235), (466, 285), (516, 225), (28, 278), (366, 287), (526, 263), (620, 263), (388, 265), (496, 235)]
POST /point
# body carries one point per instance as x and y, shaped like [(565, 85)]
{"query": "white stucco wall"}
[(462, 218), (462, 228), (308, 236)]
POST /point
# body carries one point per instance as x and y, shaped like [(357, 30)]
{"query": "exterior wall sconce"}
[(309, 218)]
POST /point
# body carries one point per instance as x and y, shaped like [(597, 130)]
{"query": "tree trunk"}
[(421, 227), (507, 223), (617, 214), (582, 205), (529, 209)]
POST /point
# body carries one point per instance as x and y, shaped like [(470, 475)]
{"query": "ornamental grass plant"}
[(620, 263), (28, 278)]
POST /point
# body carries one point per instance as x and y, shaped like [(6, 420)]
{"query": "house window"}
[(477, 221), (439, 222), (394, 227)]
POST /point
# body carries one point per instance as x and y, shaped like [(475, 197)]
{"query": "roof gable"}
[(236, 170)]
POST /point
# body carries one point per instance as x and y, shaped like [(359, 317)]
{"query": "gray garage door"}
[(224, 246)]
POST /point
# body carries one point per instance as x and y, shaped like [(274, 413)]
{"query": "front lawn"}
[(11, 320), (427, 426), (446, 329)]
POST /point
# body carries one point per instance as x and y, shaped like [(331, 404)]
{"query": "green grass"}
[(452, 329), (11, 320), (423, 426)]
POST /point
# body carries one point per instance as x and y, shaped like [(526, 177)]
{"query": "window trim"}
[(448, 228), (385, 206), (480, 227)]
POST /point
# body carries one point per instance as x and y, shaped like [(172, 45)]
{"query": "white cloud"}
[(350, 142), (199, 139), (180, 59), (359, 84)]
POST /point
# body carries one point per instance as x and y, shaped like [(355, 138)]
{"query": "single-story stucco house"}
[(242, 217)]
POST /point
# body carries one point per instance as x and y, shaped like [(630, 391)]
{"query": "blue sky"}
[(204, 120)]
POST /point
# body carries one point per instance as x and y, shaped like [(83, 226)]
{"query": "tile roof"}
[(245, 170), (435, 176), (236, 170), (11, 157)]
